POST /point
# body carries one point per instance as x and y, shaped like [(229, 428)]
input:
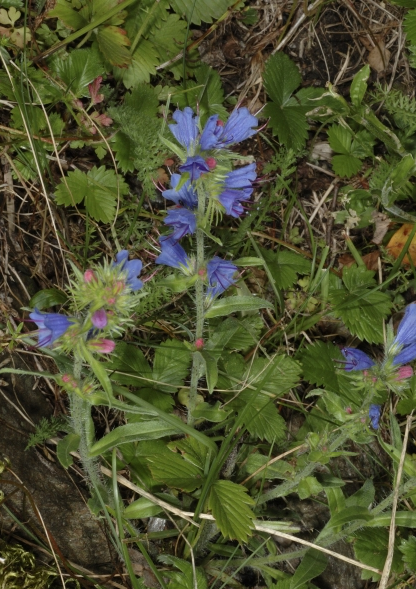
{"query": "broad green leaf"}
[(68, 444), (371, 547), (99, 188), (336, 499), (70, 17), (113, 44), (192, 450), (320, 362), (313, 564), (79, 69), (230, 305), (346, 165), (48, 297), (173, 470), (200, 10), (229, 504), (359, 85), (124, 148), (284, 266), (133, 432), (349, 514), (410, 25), (141, 508), (143, 65), (261, 417), (309, 486), (274, 376), (247, 334), (335, 405), (171, 364), (129, 365), (340, 139), (408, 549), (281, 78)]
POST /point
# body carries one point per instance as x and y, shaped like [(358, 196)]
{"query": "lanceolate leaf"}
[(313, 564), (233, 304), (64, 448), (229, 504)]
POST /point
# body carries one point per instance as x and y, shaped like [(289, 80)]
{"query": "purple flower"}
[(99, 319), (237, 187), (185, 196), (186, 130), (133, 268), (356, 359), (195, 166), (216, 135), (374, 415), (220, 276), (406, 337), (50, 326), (173, 254), (182, 221)]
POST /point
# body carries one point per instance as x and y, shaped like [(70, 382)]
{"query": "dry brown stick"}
[(389, 558)]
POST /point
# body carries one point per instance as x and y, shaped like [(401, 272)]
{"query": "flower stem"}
[(197, 359)]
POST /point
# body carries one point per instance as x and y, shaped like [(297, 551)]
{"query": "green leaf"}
[(404, 519), (371, 547), (99, 188), (313, 564), (281, 78), (409, 26), (319, 362), (408, 549), (173, 470), (351, 513), (48, 297), (68, 444), (346, 165), (359, 85), (133, 432), (261, 417), (70, 17), (275, 376), (309, 486), (192, 450), (186, 579), (112, 42), (201, 10), (124, 148), (211, 370), (229, 305), (276, 470), (340, 139), (209, 412), (364, 497), (171, 364), (142, 508), (206, 95), (229, 505), (360, 306), (80, 68), (128, 359), (284, 266), (143, 65)]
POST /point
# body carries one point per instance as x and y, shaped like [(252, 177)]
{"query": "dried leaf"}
[(382, 223), (379, 57), (398, 241), (370, 260)]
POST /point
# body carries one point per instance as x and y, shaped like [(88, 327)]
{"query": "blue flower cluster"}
[(233, 188)]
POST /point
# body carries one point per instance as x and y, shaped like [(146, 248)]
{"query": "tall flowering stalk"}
[(206, 189)]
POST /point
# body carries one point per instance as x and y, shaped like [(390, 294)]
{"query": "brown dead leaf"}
[(382, 223), (379, 57), (397, 242), (162, 177), (370, 260)]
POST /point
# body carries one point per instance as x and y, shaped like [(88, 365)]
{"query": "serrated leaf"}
[(346, 165), (143, 65), (124, 149), (408, 549), (128, 359), (313, 564), (133, 432), (174, 471), (362, 309), (409, 26), (261, 417), (80, 68), (229, 305), (48, 297), (99, 188), (229, 505), (206, 94), (112, 42), (371, 547), (68, 444), (171, 364), (70, 17), (276, 470), (284, 266), (340, 139), (281, 78), (289, 124), (201, 10), (276, 375)]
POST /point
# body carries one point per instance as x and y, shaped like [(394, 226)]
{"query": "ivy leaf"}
[(171, 364), (287, 113), (359, 305), (112, 42), (173, 470), (229, 505), (99, 188)]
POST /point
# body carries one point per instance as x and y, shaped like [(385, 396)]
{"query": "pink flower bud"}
[(99, 319), (348, 410), (404, 372), (199, 343), (220, 123), (89, 276), (105, 346), (211, 163)]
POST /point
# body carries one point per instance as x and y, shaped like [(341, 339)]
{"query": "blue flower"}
[(195, 166), (182, 221), (50, 326), (133, 268), (405, 340), (237, 187), (356, 359), (185, 196), (186, 131), (374, 415), (216, 135), (173, 255), (220, 276)]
